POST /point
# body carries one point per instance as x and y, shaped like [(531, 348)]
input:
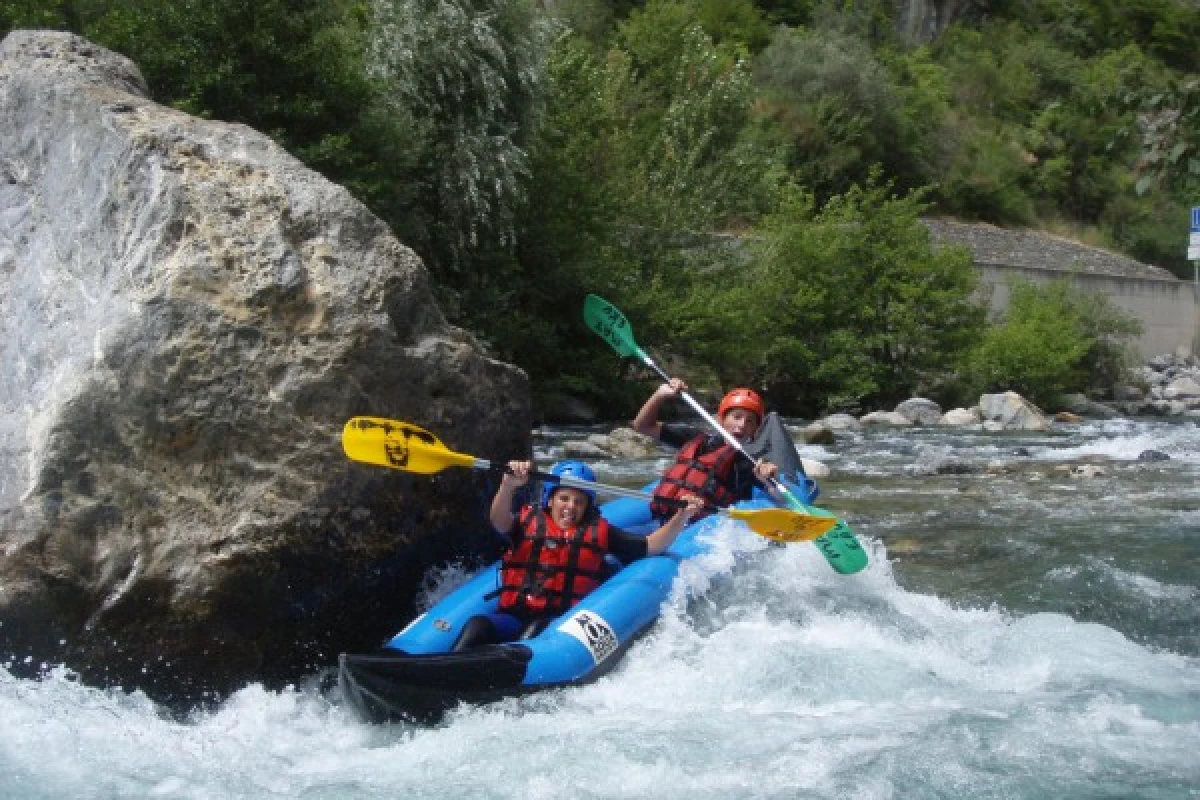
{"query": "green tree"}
[(569, 238), (294, 69), (1053, 339), (636, 148), (844, 307), (468, 74), (836, 104)]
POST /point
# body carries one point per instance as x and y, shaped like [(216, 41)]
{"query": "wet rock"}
[(585, 450), (920, 411), (1088, 471), (1153, 455), (1082, 470), (1081, 405), (1184, 389), (815, 469), (841, 422), (936, 460), (625, 442), (961, 417), (1128, 394), (817, 433), (1010, 411)]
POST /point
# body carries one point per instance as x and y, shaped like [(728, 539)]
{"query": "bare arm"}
[(646, 422), (501, 514), (665, 536)]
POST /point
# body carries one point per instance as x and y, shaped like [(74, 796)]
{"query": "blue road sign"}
[(1195, 219)]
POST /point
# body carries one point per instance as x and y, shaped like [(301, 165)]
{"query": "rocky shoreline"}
[(1166, 386)]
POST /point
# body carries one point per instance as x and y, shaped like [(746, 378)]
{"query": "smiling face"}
[(567, 506), (741, 422)]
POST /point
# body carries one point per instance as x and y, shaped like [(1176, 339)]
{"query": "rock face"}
[(1009, 411), (188, 316)]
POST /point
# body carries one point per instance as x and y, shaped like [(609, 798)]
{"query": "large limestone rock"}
[(188, 316), (1008, 411)]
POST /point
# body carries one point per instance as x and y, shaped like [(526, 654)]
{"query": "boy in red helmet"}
[(706, 465)]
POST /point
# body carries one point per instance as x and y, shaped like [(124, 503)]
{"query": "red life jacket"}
[(549, 569), (707, 475)]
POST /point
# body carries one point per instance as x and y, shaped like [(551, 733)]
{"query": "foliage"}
[(1054, 339), (846, 306), (38, 15), (636, 146), (294, 69), (568, 234), (835, 103), (1039, 131), (468, 74), (736, 21), (1168, 29), (1169, 123), (742, 177)]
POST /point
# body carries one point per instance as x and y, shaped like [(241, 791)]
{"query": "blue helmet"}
[(570, 469)]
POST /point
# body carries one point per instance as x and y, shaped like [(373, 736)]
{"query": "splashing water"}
[(952, 670)]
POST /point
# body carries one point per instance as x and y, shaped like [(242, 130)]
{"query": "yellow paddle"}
[(410, 448)]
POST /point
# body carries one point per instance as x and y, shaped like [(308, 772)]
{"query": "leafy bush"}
[(846, 306), (835, 103), (469, 75), (1054, 339)]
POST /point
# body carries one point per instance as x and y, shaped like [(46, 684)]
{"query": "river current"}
[(1021, 632)]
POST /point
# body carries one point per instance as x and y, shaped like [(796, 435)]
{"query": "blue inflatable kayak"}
[(415, 676)]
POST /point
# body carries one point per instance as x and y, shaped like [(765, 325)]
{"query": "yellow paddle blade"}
[(399, 445), (782, 524)]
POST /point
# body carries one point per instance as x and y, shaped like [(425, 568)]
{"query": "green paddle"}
[(606, 320), (410, 448)]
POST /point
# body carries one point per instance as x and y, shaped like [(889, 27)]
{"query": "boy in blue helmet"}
[(556, 551)]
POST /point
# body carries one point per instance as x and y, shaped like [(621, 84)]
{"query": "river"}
[(1023, 633)]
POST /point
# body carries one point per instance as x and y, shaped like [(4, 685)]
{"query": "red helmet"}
[(742, 398)]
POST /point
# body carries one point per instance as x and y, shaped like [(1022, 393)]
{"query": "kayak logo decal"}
[(396, 446), (395, 439), (594, 632)]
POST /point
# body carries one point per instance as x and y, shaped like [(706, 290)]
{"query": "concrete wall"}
[(1169, 309)]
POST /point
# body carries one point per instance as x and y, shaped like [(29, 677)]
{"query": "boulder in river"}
[(188, 316), (1010, 411)]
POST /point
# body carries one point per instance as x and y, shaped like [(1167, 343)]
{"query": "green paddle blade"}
[(840, 546), (606, 320), (399, 445)]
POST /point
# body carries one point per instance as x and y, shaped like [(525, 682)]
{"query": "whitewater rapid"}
[(768, 676)]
